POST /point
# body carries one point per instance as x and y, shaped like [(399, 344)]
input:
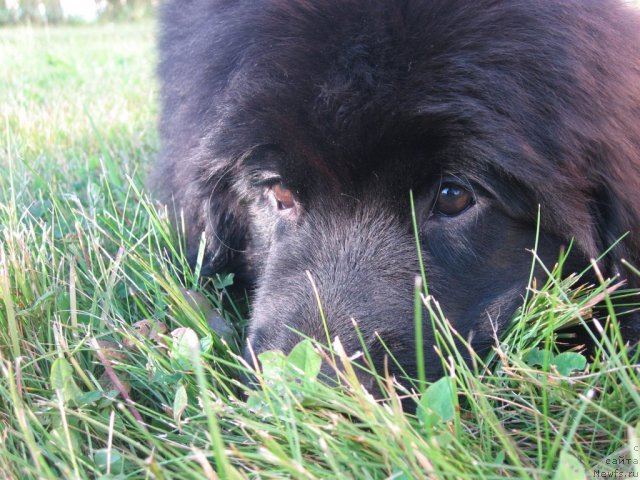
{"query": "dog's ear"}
[(200, 201)]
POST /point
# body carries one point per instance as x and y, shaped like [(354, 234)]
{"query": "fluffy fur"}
[(349, 105)]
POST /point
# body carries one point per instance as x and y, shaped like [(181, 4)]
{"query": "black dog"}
[(293, 131)]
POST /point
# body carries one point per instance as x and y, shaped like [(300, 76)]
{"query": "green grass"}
[(106, 371)]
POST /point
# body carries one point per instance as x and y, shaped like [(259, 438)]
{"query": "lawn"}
[(108, 368)]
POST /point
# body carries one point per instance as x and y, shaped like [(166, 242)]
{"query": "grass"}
[(107, 369)]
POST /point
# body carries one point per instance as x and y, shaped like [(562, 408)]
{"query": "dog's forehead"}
[(359, 104), (351, 87), (343, 99)]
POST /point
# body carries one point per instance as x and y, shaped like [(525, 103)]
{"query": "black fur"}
[(351, 104)]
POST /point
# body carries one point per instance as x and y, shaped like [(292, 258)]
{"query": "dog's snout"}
[(346, 274)]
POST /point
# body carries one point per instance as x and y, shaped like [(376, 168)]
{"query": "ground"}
[(108, 370)]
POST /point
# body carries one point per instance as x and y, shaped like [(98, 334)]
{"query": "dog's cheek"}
[(478, 268)]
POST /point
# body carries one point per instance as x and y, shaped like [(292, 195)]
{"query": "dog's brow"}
[(262, 177)]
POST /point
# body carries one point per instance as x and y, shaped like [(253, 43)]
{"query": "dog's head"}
[(295, 131)]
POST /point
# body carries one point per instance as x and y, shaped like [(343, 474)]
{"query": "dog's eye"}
[(283, 197), (453, 199)]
